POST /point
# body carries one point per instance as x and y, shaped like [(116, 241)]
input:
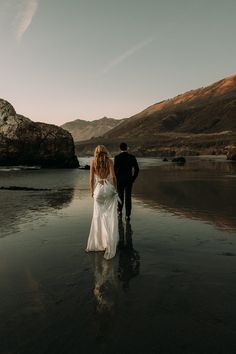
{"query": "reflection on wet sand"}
[(105, 283), (129, 260), (195, 191), (18, 206), (108, 275), (28, 307), (55, 298)]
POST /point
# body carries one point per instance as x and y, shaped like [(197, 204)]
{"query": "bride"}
[(103, 234)]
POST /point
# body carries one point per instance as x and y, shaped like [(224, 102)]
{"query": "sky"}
[(61, 60)]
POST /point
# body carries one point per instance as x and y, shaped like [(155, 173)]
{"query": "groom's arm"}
[(136, 169), (115, 165), (112, 172)]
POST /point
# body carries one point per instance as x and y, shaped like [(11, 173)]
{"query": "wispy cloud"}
[(118, 60), (24, 17)]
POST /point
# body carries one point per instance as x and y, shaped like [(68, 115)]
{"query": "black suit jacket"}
[(126, 167)]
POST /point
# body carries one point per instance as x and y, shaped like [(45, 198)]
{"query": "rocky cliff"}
[(23, 142)]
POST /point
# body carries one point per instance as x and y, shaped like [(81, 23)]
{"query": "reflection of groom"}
[(126, 170), (129, 260)]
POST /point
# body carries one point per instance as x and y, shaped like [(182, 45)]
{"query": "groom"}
[(126, 170)]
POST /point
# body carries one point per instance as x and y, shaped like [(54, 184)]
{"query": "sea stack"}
[(23, 142)]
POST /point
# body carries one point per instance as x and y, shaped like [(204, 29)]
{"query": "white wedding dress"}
[(104, 233)]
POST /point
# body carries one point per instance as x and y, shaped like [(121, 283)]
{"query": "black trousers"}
[(124, 190)]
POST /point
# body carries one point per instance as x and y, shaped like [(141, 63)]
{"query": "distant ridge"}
[(83, 130), (198, 121)]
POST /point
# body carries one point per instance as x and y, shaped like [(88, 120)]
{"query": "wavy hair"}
[(101, 161)]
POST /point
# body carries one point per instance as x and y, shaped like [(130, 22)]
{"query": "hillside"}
[(205, 110), (198, 121), (84, 130)]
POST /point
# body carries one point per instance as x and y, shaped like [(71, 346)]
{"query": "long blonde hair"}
[(101, 161)]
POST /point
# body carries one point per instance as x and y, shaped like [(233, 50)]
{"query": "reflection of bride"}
[(106, 284), (108, 276)]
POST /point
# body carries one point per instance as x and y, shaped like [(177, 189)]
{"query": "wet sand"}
[(170, 288)]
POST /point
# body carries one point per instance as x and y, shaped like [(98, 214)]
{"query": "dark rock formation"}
[(231, 153), (23, 142), (180, 160)]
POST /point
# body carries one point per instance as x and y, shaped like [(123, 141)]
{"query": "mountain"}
[(23, 142), (205, 110), (84, 130), (198, 121)]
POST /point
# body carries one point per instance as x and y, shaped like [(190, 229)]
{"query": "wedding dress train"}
[(104, 233)]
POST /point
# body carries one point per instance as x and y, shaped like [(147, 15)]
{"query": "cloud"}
[(25, 16), (118, 60)]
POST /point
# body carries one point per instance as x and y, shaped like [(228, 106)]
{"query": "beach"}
[(170, 288)]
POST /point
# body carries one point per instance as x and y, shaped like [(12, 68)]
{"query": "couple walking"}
[(111, 187)]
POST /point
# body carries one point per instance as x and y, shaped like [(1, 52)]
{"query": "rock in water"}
[(231, 152), (180, 160), (23, 142)]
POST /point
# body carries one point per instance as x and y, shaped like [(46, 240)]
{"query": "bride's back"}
[(104, 227), (101, 162)]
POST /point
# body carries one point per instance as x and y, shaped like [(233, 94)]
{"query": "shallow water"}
[(170, 289)]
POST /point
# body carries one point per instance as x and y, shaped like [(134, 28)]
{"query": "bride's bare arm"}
[(112, 172), (91, 179)]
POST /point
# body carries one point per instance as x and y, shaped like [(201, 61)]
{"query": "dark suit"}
[(126, 170)]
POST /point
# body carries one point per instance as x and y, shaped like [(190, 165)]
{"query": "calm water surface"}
[(170, 289)]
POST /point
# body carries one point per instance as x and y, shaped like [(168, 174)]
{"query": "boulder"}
[(180, 160), (231, 152), (23, 142)]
